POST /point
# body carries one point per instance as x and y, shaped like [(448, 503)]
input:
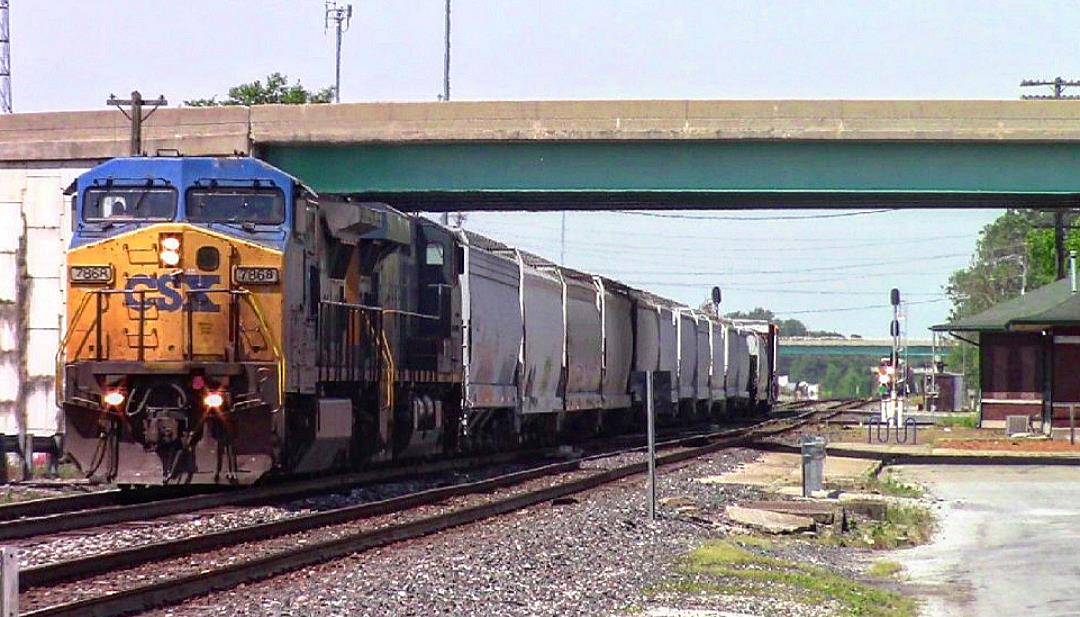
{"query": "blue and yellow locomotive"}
[(223, 325), (226, 324)]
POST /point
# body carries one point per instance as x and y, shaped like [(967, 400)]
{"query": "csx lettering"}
[(164, 292)]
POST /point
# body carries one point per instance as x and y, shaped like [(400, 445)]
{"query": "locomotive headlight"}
[(170, 251), (90, 274), (113, 398), (213, 400)]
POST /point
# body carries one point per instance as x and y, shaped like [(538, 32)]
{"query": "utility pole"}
[(342, 17), (445, 95), (446, 57), (5, 60), (136, 116), (1057, 85)]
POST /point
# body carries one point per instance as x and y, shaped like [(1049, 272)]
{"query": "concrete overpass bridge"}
[(529, 155), (871, 349), (618, 154)]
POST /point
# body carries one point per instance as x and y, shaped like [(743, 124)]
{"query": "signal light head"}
[(113, 398), (213, 400)]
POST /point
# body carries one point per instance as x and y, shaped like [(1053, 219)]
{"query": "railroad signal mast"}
[(891, 372)]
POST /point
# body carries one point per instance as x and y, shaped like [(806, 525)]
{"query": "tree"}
[(759, 313), (1016, 240), (275, 90)]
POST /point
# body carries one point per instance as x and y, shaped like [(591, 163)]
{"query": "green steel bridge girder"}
[(691, 173), (856, 351)]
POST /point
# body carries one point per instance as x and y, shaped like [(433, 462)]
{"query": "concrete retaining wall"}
[(35, 227)]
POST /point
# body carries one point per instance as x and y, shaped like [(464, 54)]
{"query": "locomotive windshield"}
[(236, 205), (129, 204)]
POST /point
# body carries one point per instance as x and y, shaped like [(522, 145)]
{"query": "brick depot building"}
[(1029, 356)]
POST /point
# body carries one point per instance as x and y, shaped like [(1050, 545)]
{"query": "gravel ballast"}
[(597, 555)]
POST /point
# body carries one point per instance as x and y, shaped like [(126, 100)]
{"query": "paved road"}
[(1008, 545)]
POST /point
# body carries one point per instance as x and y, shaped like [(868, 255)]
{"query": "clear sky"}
[(72, 55)]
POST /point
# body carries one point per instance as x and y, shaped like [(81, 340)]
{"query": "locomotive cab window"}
[(236, 205), (128, 204), (433, 254)]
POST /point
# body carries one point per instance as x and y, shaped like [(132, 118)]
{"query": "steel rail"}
[(70, 512), (111, 514), (55, 505), (91, 565), (184, 587)]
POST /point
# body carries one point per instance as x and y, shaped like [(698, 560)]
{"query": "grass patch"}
[(723, 567), (887, 484), (885, 569), (754, 541), (966, 420)]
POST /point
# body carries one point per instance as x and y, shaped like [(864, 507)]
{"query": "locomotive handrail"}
[(58, 382), (380, 309), (279, 357), (256, 308)]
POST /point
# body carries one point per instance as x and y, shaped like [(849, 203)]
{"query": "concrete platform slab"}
[(778, 469)]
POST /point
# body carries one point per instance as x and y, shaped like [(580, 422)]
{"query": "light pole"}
[(446, 57), (341, 16)]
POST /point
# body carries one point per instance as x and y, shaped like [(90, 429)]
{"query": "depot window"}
[(236, 205), (129, 204)]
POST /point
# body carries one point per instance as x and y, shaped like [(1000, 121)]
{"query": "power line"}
[(758, 219), (871, 264), (810, 245), (846, 309)]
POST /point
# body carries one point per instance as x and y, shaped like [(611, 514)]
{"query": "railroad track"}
[(51, 515), (352, 529), (58, 514)]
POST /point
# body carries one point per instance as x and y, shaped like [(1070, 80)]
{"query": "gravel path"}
[(592, 557)]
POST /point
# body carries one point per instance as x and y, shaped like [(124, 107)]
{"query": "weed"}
[(755, 541), (722, 567), (903, 526), (884, 569), (966, 420), (888, 484)]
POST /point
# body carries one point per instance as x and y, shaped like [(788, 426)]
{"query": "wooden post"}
[(9, 582)]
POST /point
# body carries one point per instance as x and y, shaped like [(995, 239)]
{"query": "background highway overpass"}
[(550, 154)]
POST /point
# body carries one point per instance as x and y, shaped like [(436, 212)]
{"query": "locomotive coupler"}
[(163, 426)]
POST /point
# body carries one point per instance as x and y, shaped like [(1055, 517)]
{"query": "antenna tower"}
[(342, 17), (5, 60)]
